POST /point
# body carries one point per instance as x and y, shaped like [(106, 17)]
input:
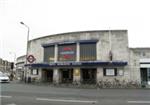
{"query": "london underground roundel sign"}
[(30, 58)]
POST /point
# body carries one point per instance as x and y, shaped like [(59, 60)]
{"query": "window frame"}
[(46, 54), (84, 49)]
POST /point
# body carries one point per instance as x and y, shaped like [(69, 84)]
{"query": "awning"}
[(77, 64)]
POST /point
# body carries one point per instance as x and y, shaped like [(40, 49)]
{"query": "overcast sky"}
[(45, 17)]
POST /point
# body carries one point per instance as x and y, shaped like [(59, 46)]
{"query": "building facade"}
[(5, 66), (141, 62), (20, 62), (85, 57)]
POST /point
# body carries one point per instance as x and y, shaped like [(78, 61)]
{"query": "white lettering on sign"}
[(76, 63), (63, 63), (67, 52)]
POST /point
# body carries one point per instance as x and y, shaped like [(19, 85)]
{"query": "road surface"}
[(27, 94)]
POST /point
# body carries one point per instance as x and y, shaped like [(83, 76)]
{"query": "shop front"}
[(145, 76), (145, 71)]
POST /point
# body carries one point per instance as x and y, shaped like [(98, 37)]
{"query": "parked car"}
[(1, 72), (4, 78)]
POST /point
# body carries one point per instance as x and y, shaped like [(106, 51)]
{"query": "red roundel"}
[(30, 58)]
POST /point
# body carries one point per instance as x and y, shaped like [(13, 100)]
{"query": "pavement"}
[(28, 94)]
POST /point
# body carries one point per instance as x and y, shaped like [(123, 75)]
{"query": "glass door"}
[(144, 76)]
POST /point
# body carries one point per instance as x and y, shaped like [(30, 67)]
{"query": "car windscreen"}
[(3, 75)]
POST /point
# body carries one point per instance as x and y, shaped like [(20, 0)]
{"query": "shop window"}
[(87, 51), (34, 71), (110, 72)]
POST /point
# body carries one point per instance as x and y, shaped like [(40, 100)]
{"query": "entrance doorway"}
[(47, 75), (66, 75), (88, 75), (145, 76)]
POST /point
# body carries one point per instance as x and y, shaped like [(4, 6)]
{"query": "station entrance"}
[(145, 75), (88, 75), (66, 75), (47, 75)]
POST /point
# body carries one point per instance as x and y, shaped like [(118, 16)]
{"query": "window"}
[(110, 72), (87, 51), (49, 54), (34, 71), (67, 52)]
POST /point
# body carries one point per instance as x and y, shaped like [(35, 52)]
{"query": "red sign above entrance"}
[(30, 58), (67, 53)]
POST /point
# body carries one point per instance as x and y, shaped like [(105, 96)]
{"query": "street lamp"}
[(26, 48)]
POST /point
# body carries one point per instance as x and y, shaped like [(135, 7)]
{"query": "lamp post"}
[(26, 48)]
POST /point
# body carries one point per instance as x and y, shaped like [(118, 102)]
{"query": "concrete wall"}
[(119, 41)]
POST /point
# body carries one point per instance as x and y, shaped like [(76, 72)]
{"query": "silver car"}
[(4, 78)]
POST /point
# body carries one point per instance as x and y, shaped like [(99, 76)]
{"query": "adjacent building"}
[(20, 62), (86, 57), (5, 66)]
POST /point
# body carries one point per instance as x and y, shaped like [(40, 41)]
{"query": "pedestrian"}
[(11, 76)]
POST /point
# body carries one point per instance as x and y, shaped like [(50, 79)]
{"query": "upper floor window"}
[(67, 52), (49, 54), (87, 51)]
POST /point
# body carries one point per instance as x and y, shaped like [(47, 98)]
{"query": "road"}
[(27, 94)]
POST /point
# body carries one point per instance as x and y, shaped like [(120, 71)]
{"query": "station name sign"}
[(76, 64), (65, 64)]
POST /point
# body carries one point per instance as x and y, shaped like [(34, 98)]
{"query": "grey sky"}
[(45, 17)]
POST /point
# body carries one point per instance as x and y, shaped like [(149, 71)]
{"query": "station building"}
[(87, 57)]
